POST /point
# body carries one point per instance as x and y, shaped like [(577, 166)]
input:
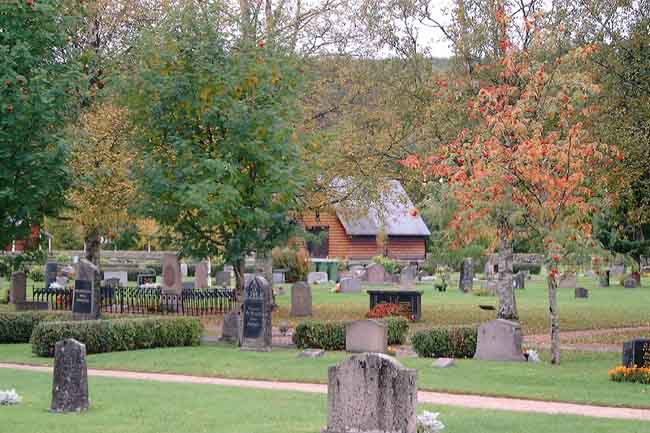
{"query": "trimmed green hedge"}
[(532, 268), (18, 327), (331, 335), (445, 343), (101, 336)]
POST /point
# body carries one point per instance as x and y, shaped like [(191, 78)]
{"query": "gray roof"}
[(394, 212)]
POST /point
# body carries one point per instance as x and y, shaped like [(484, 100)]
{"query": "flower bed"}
[(630, 374)]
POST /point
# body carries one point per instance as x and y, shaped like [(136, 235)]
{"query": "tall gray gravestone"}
[(256, 324), (85, 301), (407, 277), (172, 282), (18, 289), (371, 393), (375, 273), (466, 279), (51, 269), (201, 275), (499, 340), (70, 381), (301, 300)]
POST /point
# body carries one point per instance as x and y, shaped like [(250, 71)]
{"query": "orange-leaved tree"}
[(527, 158)]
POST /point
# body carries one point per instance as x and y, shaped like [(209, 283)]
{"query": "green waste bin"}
[(333, 271), (321, 266)]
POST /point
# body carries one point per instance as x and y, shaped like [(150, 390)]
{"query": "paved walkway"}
[(569, 338), (461, 400)]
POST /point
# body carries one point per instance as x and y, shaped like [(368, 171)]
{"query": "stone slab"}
[(499, 340), (350, 285), (301, 300), (172, 282), (317, 278), (70, 381), (18, 288), (366, 336)]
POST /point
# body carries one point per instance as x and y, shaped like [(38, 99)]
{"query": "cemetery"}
[(334, 216)]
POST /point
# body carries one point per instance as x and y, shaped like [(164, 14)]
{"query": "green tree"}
[(220, 155), (40, 88)]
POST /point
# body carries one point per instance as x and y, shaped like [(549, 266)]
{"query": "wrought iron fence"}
[(138, 300)]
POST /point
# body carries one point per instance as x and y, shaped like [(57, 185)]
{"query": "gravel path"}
[(461, 400)]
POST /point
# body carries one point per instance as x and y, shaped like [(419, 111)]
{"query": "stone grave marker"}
[(123, 276), (171, 274), (581, 293), (70, 382), (407, 277), (317, 278), (311, 353), (111, 282), (85, 299), (630, 282), (278, 276), (184, 270), (603, 278), (371, 393), (222, 279), (444, 362), (499, 340), (350, 285), (201, 275), (301, 301), (230, 330), (188, 285), (617, 270), (257, 331), (567, 281), (466, 279), (636, 353), (519, 280), (146, 278), (51, 270), (375, 273), (18, 289), (366, 336)]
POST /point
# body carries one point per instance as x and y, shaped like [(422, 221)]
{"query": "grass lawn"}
[(582, 377), (124, 406)]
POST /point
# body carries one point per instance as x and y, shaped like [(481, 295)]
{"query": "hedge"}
[(101, 336), (532, 268), (445, 343), (18, 327), (331, 335)]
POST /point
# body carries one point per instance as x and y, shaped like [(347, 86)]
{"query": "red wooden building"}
[(354, 235)]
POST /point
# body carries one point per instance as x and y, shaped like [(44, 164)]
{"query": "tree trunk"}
[(239, 268), (555, 317), (93, 248), (505, 290)]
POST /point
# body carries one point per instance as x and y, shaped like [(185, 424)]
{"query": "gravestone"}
[(375, 273), (636, 353), (491, 266), (18, 289), (444, 363), (256, 332), (630, 282), (201, 275), (603, 278), (123, 276), (111, 282), (567, 281), (407, 277), (366, 336), (499, 340), (188, 285), (51, 269), (300, 299), (520, 280), (148, 278), (581, 293), (466, 279), (311, 353), (317, 278), (278, 276), (70, 382), (171, 274), (350, 285), (222, 279), (86, 296), (230, 330), (617, 270), (371, 393), (184, 270)]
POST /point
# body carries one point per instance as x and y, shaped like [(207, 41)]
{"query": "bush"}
[(391, 266), (296, 262), (630, 374), (37, 274), (101, 336), (18, 327), (532, 268), (445, 343), (331, 335)]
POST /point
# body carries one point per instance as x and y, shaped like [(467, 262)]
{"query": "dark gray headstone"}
[(636, 353), (499, 340), (581, 293), (51, 269), (86, 302), (371, 393), (630, 282), (18, 289), (230, 330), (466, 279), (70, 383), (603, 278), (256, 324), (301, 300), (520, 280), (222, 279)]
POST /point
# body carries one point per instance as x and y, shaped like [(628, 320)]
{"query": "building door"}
[(318, 243)]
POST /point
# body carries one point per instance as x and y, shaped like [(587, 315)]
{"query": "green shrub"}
[(18, 327), (331, 335), (36, 274), (296, 262), (532, 268), (445, 343), (101, 336), (391, 266)]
